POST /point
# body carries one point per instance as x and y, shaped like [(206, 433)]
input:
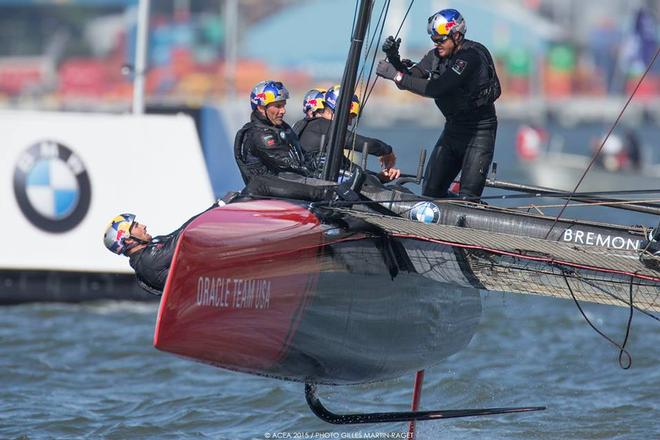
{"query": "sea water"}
[(89, 371)]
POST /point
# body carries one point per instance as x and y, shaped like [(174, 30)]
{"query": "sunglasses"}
[(439, 40)]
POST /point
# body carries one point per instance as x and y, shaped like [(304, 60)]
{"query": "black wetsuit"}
[(152, 263), (464, 87), (263, 151), (261, 148), (310, 132)]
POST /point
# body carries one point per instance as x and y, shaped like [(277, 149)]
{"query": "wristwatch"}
[(398, 77)]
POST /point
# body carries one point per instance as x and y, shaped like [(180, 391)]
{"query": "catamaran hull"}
[(263, 287), (268, 288), (368, 328)]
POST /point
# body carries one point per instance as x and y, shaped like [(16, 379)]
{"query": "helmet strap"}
[(457, 39), (138, 242), (265, 113)]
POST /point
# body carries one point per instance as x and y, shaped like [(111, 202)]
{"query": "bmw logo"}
[(52, 186), (425, 212)]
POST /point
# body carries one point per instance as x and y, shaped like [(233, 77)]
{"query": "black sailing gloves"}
[(386, 70), (391, 49)]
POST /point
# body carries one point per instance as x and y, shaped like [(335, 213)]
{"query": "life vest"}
[(488, 87), (300, 126), (240, 153), (279, 150)]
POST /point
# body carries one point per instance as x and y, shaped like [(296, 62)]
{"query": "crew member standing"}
[(459, 74)]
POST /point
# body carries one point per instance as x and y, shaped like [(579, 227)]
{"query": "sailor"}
[(311, 130), (267, 144), (150, 257), (269, 155), (312, 105), (459, 74)]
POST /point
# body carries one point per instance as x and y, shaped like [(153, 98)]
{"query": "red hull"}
[(263, 287), (239, 282)]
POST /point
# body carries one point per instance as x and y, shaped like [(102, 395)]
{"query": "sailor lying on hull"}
[(149, 256), (273, 162)]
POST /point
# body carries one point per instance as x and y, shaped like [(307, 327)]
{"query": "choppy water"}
[(89, 371)]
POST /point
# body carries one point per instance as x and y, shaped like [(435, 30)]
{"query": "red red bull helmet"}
[(332, 95), (267, 92), (117, 231), (314, 100), (444, 23)]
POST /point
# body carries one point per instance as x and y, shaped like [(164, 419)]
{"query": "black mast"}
[(339, 125)]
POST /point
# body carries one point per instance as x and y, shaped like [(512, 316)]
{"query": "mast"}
[(339, 125)]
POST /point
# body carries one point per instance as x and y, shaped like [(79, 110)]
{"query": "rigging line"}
[(366, 98), (622, 348), (404, 19), (380, 23), (368, 47), (351, 41), (628, 326), (371, 70), (577, 196), (630, 315), (384, 13), (366, 50), (576, 204), (550, 192), (354, 19), (592, 282), (616, 122), (373, 38)]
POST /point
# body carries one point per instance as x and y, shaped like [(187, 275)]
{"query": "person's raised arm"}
[(460, 70)]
